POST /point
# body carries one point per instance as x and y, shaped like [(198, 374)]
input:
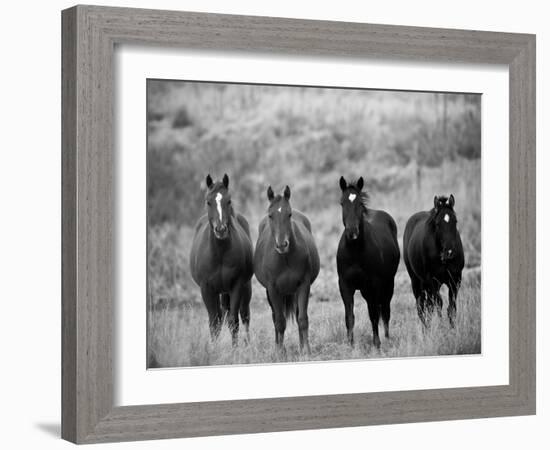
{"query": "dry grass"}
[(180, 336)]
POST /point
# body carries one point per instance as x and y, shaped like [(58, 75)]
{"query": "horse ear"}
[(270, 194), (435, 201), (225, 180), (343, 184), (360, 183), (452, 201), (208, 181), (286, 193)]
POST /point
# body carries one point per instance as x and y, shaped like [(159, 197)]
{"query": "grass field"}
[(407, 146), (180, 335)]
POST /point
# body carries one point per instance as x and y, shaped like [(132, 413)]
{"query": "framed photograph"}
[(277, 224), (400, 146)]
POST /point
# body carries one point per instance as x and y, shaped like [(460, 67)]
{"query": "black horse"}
[(367, 258), (433, 254), (221, 260), (286, 263)]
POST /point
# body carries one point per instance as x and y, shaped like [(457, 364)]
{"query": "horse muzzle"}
[(352, 234), (283, 247), (447, 255), (221, 232)]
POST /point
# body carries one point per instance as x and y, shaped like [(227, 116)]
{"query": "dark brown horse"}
[(367, 258), (286, 263), (221, 260), (433, 254)]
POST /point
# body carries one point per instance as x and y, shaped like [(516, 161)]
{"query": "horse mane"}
[(364, 197), (432, 216)]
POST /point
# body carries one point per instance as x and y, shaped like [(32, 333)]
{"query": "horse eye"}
[(209, 203), (290, 215), (229, 202)]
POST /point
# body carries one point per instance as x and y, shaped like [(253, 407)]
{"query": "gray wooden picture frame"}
[(89, 36)]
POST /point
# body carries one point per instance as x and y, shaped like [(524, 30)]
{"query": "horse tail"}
[(290, 306)]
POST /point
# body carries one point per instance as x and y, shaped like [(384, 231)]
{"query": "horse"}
[(433, 254), (286, 263), (367, 258), (221, 261)]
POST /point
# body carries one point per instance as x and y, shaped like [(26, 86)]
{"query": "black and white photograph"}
[(275, 225), (288, 224)]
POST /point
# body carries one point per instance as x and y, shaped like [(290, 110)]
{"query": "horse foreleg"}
[(279, 320), (385, 308), (420, 296), (212, 302), (454, 286), (373, 302), (421, 309), (433, 298), (303, 320), (429, 303), (245, 308), (235, 297), (347, 297)]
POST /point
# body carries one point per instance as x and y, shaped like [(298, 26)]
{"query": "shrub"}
[(181, 119)]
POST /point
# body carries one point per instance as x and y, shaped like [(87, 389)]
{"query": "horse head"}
[(443, 219), (353, 201), (218, 205), (279, 214)]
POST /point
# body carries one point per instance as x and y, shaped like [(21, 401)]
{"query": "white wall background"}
[(30, 225)]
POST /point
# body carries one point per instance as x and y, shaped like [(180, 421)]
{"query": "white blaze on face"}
[(352, 197), (446, 218), (219, 205)]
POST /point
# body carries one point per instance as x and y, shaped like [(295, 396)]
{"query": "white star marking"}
[(352, 197), (280, 208), (219, 204), (446, 218)]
